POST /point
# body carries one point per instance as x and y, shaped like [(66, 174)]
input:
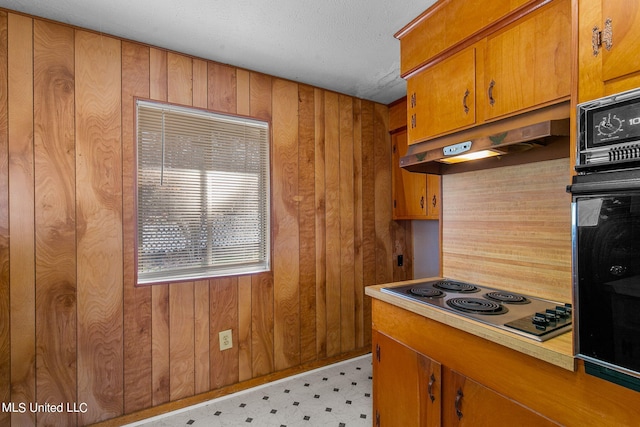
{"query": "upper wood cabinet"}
[(517, 64), (445, 24), (442, 98), (608, 49), (528, 63), (622, 21)]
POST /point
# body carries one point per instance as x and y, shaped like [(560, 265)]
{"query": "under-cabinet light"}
[(470, 156)]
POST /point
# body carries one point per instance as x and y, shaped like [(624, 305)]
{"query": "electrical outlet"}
[(226, 340)]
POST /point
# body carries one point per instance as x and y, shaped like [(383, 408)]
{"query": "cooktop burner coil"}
[(476, 305), (507, 297), (461, 287), (427, 292)]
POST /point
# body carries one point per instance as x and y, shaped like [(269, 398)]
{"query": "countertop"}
[(557, 351)]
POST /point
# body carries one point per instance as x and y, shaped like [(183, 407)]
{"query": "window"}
[(203, 194)]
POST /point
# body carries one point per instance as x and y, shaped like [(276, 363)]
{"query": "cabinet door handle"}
[(422, 202), (434, 201), (490, 92), (464, 101), (598, 38), (459, 397), (432, 380)]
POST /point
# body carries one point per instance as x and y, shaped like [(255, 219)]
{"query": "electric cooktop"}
[(535, 318)]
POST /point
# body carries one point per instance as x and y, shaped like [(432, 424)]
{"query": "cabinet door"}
[(409, 189), (624, 18), (401, 385), (528, 63), (468, 403), (442, 98), (433, 196)]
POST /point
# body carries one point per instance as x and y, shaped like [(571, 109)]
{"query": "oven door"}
[(606, 252)]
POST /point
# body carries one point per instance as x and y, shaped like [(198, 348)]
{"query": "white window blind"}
[(203, 194)]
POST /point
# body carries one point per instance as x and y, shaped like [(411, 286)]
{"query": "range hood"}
[(534, 136)]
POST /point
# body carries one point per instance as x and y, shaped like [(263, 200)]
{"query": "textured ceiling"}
[(342, 45)]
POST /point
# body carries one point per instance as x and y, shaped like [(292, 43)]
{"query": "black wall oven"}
[(606, 238)]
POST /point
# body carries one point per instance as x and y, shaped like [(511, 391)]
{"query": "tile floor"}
[(337, 395)]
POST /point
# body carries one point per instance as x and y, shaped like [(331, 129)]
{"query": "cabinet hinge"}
[(377, 419), (378, 352), (604, 37), (394, 149)]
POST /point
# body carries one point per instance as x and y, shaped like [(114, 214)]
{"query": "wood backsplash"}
[(73, 327), (510, 228)]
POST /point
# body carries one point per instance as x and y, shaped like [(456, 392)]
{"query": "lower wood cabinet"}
[(411, 389), (406, 385)]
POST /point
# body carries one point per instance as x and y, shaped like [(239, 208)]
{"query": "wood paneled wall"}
[(511, 229), (73, 327)]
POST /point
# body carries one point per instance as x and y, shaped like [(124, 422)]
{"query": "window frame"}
[(268, 242)]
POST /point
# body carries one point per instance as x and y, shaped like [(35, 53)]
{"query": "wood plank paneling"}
[(222, 88), (245, 369), (181, 301), (262, 295), (307, 251), (381, 141), (158, 74), (159, 293), (368, 210), (243, 89), (179, 79), (160, 374), (181, 338), (200, 83), (262, 289), (202, 365), (21, 215), (55, 222), (137, 300), (285, 227), (321, 227), (358, 266), (83, 331), (332, 221), (260, 96), (5, 309), (244, 328), (517, 225), (347, 218), (99, 216), (224, 316)]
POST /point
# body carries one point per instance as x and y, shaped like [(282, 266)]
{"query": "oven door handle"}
[(601, 186)]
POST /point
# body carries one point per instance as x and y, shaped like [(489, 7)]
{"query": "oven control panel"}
[(609, 132)]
